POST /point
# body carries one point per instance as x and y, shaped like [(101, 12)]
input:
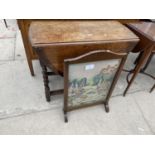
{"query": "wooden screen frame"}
[(98, 55)]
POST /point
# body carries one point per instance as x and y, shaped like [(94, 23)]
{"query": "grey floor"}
[(23, 109)]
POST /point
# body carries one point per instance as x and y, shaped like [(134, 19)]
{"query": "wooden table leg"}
[(138, 58), (148, 62), (28, 49), (152, 88), (138, 67), (30, 66), (5, 23), (48, 92), (46, 82)]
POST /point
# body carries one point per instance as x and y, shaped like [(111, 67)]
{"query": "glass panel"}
[(90, 82)]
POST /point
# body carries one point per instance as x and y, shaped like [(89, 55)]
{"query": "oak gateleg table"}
[(54, 41)]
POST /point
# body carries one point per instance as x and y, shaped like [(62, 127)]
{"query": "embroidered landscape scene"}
[(90, 82)]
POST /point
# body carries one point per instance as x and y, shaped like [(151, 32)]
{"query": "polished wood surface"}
[(145, 28), (90, 35), (146, 33), (54, 32), (31, 55)]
